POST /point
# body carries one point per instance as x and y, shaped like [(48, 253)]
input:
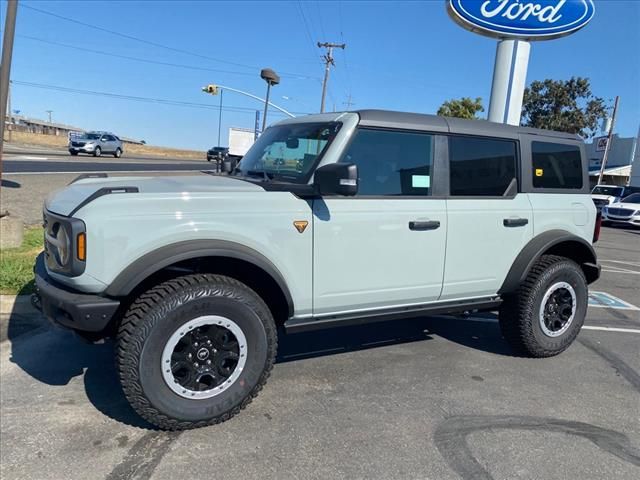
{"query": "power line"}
[(136, 59), (307, 29), (147, 42), (161, 101)]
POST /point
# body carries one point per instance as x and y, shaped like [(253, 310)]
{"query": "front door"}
[(384, 247)]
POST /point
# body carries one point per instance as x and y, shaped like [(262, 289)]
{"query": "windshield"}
[(90, 136), (288, 152), (633, 198), (613, 191)]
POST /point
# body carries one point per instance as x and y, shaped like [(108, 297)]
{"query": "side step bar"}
[(295, 325)]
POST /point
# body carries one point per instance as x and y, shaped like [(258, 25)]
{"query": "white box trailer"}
[(240, 140)]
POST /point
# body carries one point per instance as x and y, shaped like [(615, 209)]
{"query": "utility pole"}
[(49, 112), (5, 66), (9, 111), (609, 139), (349, 102), (328, 61)]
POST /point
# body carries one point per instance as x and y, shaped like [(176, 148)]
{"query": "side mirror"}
[(337, 179), (103, 139), (293, 143)]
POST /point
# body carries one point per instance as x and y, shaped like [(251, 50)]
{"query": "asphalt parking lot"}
[(426, 398)]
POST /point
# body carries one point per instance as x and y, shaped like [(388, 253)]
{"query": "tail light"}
[(596, 230)]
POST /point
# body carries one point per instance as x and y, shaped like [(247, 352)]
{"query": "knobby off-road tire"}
[(174, 310), (534, 335)]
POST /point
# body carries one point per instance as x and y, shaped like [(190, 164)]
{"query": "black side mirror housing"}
[(336, 179), (293, 143)]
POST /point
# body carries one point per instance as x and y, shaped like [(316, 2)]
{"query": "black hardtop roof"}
[(436, 123)]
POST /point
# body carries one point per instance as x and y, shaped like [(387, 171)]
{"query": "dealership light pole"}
[(271, 78), (5, 66)]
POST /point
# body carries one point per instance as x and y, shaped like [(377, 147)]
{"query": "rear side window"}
[(481, 166), (556, 165)]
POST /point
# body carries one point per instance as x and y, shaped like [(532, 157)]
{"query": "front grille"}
[(620, 212), (77, 144)]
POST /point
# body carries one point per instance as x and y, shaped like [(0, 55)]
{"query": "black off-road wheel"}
[(195, 350), (547, 312)]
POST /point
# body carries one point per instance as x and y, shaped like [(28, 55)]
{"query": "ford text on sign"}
[(526, 19)]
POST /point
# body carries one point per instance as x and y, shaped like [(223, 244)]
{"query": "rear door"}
[(385, 247), (490, 221)]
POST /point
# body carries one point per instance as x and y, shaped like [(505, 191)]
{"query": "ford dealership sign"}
[(524, 19)]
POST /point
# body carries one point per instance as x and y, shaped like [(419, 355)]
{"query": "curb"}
[(18, 316)]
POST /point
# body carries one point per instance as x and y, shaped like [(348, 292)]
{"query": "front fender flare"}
[(154, 261)]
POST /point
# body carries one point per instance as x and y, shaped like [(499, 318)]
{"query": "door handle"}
[(426, 225), (515, 222)]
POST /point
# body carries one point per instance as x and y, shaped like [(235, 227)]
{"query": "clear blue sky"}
[(400, 55)]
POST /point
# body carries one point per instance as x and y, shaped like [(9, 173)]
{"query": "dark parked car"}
[(217, 153)]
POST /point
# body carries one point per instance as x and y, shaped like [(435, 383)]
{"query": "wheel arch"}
[(207, 256), (552, 242)]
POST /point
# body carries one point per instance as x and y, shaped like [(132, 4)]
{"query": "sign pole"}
[(509, 79), (609, 137)]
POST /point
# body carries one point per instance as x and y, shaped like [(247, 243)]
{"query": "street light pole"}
[(220, 117), (271, 78), (266, 107), (5, 66)]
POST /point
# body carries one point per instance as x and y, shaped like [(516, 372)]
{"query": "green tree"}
[(462, 108), (566, 106)]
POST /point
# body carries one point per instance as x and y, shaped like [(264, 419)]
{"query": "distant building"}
[(20, 123), (620, 154)]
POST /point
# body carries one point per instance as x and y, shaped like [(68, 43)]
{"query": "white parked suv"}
[(329, 220)]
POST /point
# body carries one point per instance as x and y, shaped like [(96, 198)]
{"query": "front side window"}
[(391, 162), (556, 165), (288, 152), (481, 166)]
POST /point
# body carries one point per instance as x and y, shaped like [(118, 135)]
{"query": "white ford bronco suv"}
[(328, 220)]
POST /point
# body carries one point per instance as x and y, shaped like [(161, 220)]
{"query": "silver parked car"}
[(96, 143)]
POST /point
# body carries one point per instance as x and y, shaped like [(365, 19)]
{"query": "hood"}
[(598, 196), (66, 200), (628, 206)]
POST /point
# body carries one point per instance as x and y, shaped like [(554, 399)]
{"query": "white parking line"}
[(611, 329), (584, 327)]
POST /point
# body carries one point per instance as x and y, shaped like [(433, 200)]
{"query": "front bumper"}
[(633, 220), (69, 308)]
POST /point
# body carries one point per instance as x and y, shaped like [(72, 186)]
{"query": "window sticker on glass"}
[(420, 181), (539, 172)]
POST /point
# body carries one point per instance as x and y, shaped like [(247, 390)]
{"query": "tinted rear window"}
[(556, 165), (481, 166)]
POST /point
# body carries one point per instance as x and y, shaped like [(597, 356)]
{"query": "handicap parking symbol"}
[(606, 300)]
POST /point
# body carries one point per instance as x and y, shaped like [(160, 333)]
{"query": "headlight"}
[(59, 243), (63, 236)]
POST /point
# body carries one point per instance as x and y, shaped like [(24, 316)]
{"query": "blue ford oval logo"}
[(527, 19)]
